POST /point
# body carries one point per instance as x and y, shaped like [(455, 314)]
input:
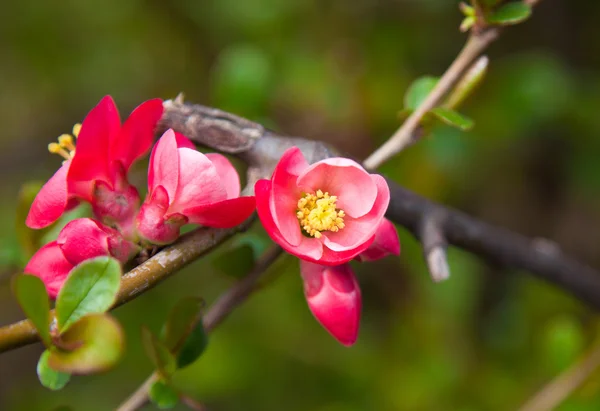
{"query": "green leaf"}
[(193, 347), (467, 23), (158, 353), (453, 118), (54, 380), (510, 13), (163, 395), (418, 91), (91, 287), (181, 322), (93, 344), (33, 298)]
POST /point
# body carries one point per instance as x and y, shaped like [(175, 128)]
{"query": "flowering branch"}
[(540, 257), (262, 150)]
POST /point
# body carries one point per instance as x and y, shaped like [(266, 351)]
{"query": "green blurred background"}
[(335, 70)]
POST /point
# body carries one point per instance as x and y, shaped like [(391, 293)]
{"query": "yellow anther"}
[(76, 129), (66, 144), (56, 148), (317, 212)]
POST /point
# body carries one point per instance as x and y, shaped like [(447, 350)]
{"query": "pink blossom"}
[(78, 241), (334, 298), (186, 186), (96, 171), (325, 213)]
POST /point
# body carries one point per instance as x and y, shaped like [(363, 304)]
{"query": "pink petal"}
[(51, 266), (359, 230), (331, 257), (229, 175), (51, 201), (223, 214), (137, 134), (345, 179), (163, 169), (386, 243), (308, 248), (334, 298), (183, 141), (286, 193), (91, 161), (151, 222), (82, 239), (199, 184)]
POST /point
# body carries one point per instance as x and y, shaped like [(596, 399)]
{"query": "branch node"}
[(434, 246)]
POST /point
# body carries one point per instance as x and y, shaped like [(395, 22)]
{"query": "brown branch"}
[(540, 257), (410, 210), (224, 305), (137, 281)]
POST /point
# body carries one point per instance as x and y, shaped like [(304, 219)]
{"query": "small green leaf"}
[(54, 380), (193, 347), (466, 9), (510, 13), (163, 395), (453, 118), (158, 353), (467, 23), (95, 343), (91, 287), (418, 91), (181, 321), (33, 298)]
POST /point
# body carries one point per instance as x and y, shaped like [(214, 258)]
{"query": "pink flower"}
[(186, 186), (97, 171), (325, 213), (78, 241), (333, 296)]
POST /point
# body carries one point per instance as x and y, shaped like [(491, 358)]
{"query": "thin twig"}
[(557, 390), (224, 305), (477, 42), (403, 137)]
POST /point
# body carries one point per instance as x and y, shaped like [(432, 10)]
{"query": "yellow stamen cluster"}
[(66, 144), (317, 212)]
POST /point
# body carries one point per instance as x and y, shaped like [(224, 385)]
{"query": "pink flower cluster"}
[(326, 214), (184, 186)]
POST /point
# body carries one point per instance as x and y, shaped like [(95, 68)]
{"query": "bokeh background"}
[(335, 70)]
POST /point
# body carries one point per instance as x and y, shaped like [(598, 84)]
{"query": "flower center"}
[(66, 144), (317, 212)]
